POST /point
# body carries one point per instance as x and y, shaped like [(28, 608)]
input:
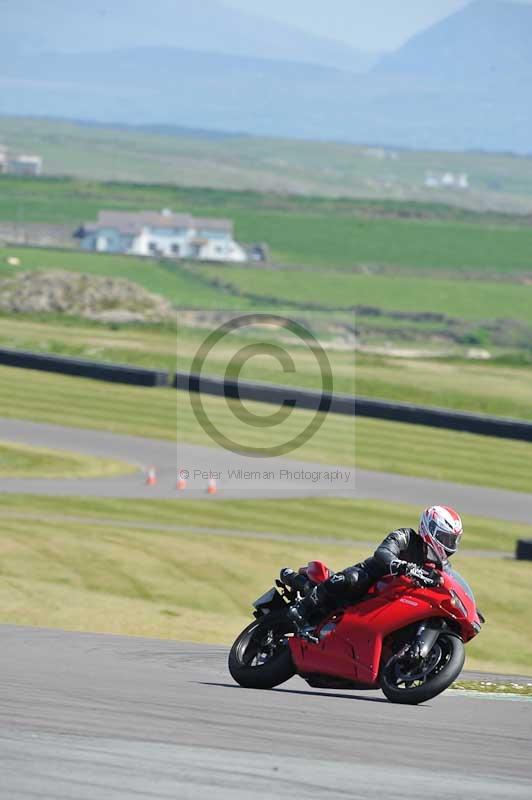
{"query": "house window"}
[(176, 249), (152, 247)]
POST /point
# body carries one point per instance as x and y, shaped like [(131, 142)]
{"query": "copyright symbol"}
[(232, 375), (184, 473)]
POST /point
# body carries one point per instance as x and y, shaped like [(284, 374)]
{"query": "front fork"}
[(425, 639)]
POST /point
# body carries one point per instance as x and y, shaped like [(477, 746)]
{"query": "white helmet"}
[(441, 529)]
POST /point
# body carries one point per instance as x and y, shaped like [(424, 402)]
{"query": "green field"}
[(165, 278), (499, 181), (24, 461), (465, 312), (298, 231), (469, 300), (115, 576), (370, 444)]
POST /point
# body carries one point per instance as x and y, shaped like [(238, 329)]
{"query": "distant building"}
[(13, 164), (151, 233), (446, 180), (23, 165)]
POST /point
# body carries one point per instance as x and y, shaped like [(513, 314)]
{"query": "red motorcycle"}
[(401, 637)]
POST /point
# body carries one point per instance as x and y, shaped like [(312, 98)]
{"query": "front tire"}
[(260, 657), (412, 684)]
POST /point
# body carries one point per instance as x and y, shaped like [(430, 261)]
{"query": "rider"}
[(403, 552)]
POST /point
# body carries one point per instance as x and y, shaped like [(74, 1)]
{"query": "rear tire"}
[(260, 657), (447, 657)]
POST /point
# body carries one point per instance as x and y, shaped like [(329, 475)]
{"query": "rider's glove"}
[(423, 577), (293, 579), (398, 567), (286, 574), (419, 575)]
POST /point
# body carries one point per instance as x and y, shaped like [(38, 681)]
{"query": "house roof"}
[(133, 222), (213, 224)]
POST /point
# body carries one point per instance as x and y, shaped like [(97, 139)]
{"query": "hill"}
[(487, 43), (217, 160), (204, 26), (463, 84)]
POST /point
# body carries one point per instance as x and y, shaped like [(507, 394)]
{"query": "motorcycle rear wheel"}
[(260, 657), (439, 670)]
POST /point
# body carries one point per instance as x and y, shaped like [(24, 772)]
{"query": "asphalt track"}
[(93, 717), (288, 478)]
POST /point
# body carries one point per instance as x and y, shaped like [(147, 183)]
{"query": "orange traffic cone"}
[(181, 484), (212, 487), (151, 477)]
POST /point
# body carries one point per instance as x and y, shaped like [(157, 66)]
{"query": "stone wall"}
[(37, 233)]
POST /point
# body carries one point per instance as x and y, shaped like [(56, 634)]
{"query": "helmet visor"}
[(449, 540)]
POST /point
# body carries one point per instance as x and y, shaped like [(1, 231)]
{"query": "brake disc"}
[(419, 671)]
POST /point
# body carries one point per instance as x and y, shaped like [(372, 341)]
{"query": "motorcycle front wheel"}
[(260, 657), (404, 681)]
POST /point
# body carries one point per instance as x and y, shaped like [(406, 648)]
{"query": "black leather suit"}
[(353, 582)]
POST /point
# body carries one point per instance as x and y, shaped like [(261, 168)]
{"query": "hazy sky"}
[(365, 24)]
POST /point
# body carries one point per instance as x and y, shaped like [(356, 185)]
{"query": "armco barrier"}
[(361, 406), (269, 393), (523, 550), (265, 393), (443, 418), (115, 373)]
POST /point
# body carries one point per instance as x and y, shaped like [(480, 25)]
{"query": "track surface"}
[(96, 717), (201, 461)]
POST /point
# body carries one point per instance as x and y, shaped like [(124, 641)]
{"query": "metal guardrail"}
[(359, 406), (292, 396), (115, 373), (465, 421)]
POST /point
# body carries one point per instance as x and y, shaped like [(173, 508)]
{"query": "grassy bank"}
[(116, 577), (24, 461), (168, 279), (343, 520)]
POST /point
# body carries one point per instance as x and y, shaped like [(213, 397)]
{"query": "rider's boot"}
[(305, 614)]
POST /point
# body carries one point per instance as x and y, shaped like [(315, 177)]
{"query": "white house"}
[(24, 165), (151, 233), (447, 180)]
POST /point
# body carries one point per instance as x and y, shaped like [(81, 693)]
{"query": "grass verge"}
[(343, 520), (494, 687), (116, 578), (24, 461)]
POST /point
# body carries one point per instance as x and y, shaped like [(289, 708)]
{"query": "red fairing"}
[(317, 571), (353, 642)]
